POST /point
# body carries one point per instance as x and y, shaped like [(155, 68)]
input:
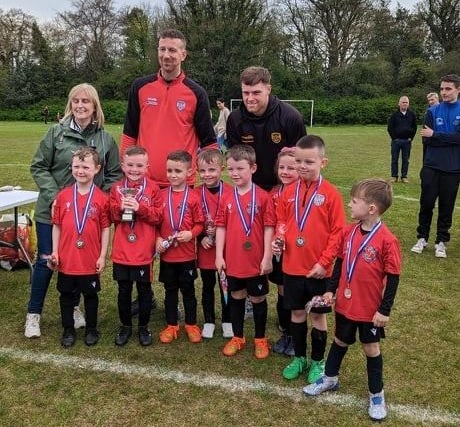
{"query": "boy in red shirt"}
[(81, 230), (365, 287), (311, 211), (136, 207), (212, 192), (182, 223), (245, 229)]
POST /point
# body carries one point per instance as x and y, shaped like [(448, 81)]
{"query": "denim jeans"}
[(41, 276), (403, 146)]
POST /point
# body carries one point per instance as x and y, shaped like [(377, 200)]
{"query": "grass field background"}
[(421, 362)]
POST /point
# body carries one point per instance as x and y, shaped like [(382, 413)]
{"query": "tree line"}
[(315, 49)]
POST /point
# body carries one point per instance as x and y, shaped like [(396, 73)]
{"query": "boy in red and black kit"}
[(311, 211), (365, 281), (136, 209), (212, 192), (245, 229), (182, 222), (81, 231)]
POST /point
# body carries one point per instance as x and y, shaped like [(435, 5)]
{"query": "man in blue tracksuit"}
[(440, 174)]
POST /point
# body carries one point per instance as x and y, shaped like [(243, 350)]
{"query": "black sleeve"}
[(333, 281), (390, 126), (233, 137), (202, 118), (295, 127), (389, 294)]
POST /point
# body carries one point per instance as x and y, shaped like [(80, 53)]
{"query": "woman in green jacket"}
[(82, 125)]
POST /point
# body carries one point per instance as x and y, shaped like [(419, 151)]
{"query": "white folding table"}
[(13, 200)]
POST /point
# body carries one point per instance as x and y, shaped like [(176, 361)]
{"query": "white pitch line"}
[(232, 385)]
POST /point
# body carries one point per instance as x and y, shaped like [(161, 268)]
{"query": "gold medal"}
[(79, 243), (132, 237), (300, 241), (247, 245), (347, 293)]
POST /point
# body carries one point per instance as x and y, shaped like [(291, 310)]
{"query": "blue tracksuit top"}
[(443, 148)]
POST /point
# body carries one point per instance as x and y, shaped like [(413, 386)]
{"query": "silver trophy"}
[(128, 214)]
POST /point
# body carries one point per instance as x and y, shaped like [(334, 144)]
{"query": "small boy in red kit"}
[(81, 231), (212, 192), (136, 209), (244, 233), (182, 223), (365, 281), (312, 213)]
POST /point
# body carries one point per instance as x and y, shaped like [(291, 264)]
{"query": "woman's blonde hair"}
[(92, 94)]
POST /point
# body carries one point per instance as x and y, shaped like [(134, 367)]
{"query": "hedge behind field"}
[(346, 111)]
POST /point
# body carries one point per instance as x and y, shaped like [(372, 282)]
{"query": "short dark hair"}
[(210, 155), (312, 141), (252, 75), (220, 100), (84, 152), (180, 156), (242, 152), (374, 190), (172, 33), (451, 78), (134, 150)]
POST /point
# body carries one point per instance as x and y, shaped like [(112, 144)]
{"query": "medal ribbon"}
[(81, 224), (246, 226), (182, 209), (351, 263), (301, 222), (205, 202)]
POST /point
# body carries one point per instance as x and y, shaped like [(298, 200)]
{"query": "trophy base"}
[(127, 216)]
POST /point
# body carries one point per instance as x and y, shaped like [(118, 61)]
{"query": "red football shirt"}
[(241, 260), (71, 259), (380, 256), (140, 249), (193, 221), (207, 257), (321, 232)]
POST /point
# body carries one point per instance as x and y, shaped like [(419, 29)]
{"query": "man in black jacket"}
[(264, 122), (402, 127)]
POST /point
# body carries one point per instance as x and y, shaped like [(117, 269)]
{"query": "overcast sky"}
[(45, 10)]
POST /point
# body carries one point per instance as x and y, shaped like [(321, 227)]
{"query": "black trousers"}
[(208, 277), (179, 276), (443, 187), (144, 293)]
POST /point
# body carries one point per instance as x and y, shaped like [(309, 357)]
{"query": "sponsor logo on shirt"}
[(276, 137), (151, 101), (319, 199), (92, 211), (180, 105), (247, 139), (439, 121), (248, 208), (369, 254)]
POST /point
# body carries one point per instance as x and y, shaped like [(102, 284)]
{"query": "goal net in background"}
[(305, 107)]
